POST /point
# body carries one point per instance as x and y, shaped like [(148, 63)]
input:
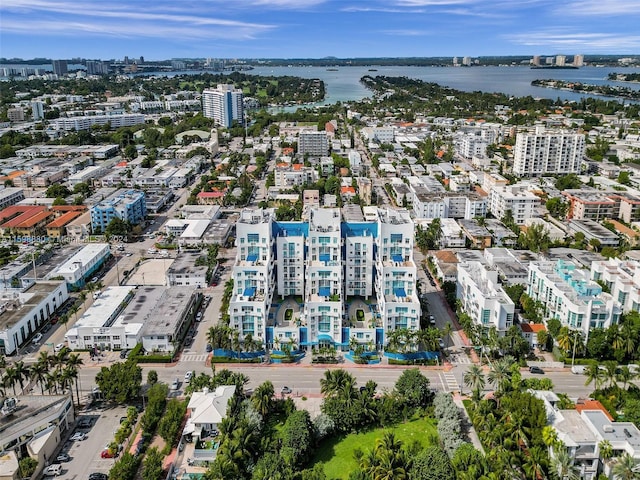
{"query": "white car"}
[(78, 436), (52, 470), (37, 338), (58, 347), (188, 376), (175, 385)]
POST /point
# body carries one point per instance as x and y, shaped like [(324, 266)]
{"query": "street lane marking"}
[(449, 382), (193, 357)]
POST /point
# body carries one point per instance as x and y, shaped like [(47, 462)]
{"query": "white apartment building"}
[(522, 202), (359, 262), (543, 153), (569, 295), (253, 273), (313, 143), (483, 298), (355, 161), (396, 272), (622, 277), (77, 269), (288, 175), (101, 325), (224, 104), (21, 316), (87, 121), (451, 234), (10, 196), (323, 310), (290, 248)]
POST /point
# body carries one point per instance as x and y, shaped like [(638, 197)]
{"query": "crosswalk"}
[(193, 357), (449, 382)]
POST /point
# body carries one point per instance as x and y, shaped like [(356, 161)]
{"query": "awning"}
[(325, 257), (249, 292), (189, 428), (397, 258), (324, 291), (399, 292), (252, 258), (325, 338)]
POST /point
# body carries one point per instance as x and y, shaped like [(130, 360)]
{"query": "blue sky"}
[(161, 29)]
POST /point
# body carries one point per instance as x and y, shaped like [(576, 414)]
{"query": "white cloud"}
[(603, 8)]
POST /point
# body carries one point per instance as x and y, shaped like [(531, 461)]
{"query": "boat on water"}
[(332, 69), (373, 69)]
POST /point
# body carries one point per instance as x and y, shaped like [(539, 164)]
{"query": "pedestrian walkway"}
[(449, 382), (471, 431), (193, 357)]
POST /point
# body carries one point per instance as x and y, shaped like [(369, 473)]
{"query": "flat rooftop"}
[(81, 258), (167, 311), (185, 263), (31, 410), (30, 298), (102, 312)]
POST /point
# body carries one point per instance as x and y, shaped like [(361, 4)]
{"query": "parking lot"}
[(85, 454)]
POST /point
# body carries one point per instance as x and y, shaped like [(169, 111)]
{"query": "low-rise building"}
[(128, 205), (184, 271), (21, 316), (622, 278), (592, 230), (206, 410), (81, 266), (521, 202)]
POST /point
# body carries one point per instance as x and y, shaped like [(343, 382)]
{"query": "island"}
[(624, 77), (579, 87)]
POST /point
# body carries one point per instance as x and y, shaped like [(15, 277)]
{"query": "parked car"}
[(175, 384), (209, 348), (37, 338), (59, 347), (53, 470), (124, 353), (432, 320), (63, 457), (78, 436), (199, 317), (536, 370), (106, 453), (85, 422), (187, 376), (94, 280), (98, 476), (286, 391)]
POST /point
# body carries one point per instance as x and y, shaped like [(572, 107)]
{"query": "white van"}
[(578, 369), (53, 470)]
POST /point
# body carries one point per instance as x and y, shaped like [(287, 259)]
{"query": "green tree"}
[(82, 188), (171, 421), (125, 467), (432, 464), (626, 468), (152, 465), (414, 387), (474, 379), (624, 177), (57, 190), (557, 207), (262, 398), (152, 377), (297, 438), (120, 382)]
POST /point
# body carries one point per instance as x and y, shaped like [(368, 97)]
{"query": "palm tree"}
[(334, 381), (606, 449), (610, 373), (500, 374), (10, 378), (625, 375), (594, 374), (615, 337), (535, 463), (626, 468), (72, 371), (262, 398), (22, 373), (39, 374), (45, 358), (474, 379), (550, 436), (447, 330), (564, 339), (629, 335), (562, 465)]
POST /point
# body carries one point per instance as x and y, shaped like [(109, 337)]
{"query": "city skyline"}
[(316, 28)]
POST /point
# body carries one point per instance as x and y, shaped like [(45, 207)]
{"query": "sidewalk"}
[(472, 434)]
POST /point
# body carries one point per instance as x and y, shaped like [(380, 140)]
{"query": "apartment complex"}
[(569, 295), (315, 144), (483, 298), (590, 204), (543, 153), (10, 196), (521, 202), (77, 269), (128, 205), (223, 104), (622, 277), (331, 265)]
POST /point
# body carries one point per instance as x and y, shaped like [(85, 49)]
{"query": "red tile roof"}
[(34, 219), (592, 405), (532, 327), (27, 213), (63, 219), (210, 194)]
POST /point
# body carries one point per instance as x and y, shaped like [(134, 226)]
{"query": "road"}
[(305, 379)]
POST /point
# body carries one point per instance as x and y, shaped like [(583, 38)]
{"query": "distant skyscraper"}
[(126, 60), (60, 67), (466, 61), (223, 104), (578, 60), (561, 60), (141, 60), (97, 67), (455, 61), (535, 60)]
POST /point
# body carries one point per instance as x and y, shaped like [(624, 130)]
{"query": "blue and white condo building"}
[(325, 281), (127, 205)]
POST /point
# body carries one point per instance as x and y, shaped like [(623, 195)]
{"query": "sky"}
[(163, 29)]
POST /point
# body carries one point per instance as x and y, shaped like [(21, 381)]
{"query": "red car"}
[(106, 453)]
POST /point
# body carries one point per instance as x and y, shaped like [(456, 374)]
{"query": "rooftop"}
[(29, 299), (31, 410)]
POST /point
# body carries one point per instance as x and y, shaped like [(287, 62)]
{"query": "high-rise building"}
[(127, 205), (578, 60), (313, 143), (223, 104), (97, 67), (466, 61), (561, 60), (535, 60), (541, 153), (60, 67)]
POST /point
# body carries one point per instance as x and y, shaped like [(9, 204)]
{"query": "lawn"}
[(336, 454)]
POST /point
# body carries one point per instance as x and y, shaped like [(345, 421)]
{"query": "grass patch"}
[(336, 454)]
